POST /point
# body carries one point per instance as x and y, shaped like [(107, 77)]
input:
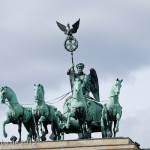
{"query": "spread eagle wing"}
[(75, 26), (62, 27), (94, 86)]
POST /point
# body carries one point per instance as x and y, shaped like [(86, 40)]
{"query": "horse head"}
[(115, 90), (2, 95), (77, 89), (38, 92), (5, 93)]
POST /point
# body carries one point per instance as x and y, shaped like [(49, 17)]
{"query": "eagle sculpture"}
[(67, 30)]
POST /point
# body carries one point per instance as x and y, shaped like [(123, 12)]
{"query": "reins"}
[(55, 100)]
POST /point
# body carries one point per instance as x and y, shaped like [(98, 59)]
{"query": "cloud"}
[(137, 127), (113, 38)]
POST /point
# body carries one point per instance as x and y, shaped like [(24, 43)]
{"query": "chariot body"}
[(81, 112), (94, 108)]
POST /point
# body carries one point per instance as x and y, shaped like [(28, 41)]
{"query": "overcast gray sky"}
[(113, 38)]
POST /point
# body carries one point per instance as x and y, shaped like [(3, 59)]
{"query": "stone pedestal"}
[(91, 144)]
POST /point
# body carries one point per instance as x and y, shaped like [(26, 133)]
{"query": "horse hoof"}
[(5, 134), (88, 135), (43, 138), (52, 137), (38, 139), (80, 135), (117, 130), (109, 134)]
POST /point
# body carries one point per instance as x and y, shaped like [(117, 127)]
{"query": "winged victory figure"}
[(94, 86), (89, 82), (67, 30)]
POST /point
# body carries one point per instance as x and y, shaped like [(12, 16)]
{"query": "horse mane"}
[(6, 87), (117, 81), (42, 89)]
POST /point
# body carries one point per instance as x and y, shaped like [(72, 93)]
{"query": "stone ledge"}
[(91, 144)]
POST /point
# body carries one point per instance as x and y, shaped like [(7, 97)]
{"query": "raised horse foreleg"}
[(4, 123)]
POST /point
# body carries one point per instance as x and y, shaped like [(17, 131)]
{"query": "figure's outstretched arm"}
[(71, 70)]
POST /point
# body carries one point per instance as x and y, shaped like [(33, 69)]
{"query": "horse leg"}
[(109, 129), (27, 126), (36, 127), (68, 121), (30, 127), (53, 136), (33, 129), (117, 123), (40, 124), (80, 134), (45, 127), (4, 123), (19, 130), (89, 131), (104, 122), (82, 129), (104, 127), (57, 128), (44, 124), (71, 114)]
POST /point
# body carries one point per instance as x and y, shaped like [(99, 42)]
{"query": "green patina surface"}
[(82, 114)]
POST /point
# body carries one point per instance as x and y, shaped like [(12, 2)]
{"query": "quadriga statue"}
[(112, 111), (16, 113), (44, 114), (82, 113)]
